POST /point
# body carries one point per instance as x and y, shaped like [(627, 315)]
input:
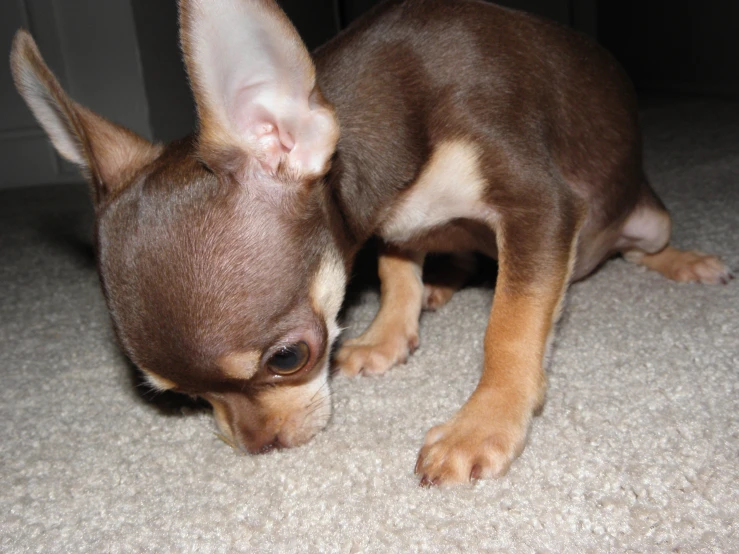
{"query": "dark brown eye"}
[(289, 359)]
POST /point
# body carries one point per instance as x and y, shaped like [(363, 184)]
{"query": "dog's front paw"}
[(471, 447), (370, 354)]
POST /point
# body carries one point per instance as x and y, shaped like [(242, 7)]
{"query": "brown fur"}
[(218, 252)]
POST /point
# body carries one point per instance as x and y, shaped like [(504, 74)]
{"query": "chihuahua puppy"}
[(437, 125)]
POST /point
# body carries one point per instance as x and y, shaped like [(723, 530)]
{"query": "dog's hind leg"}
[(442, 279), (644, 240), (393, 334)]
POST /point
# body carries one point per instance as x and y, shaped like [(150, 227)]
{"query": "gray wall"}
[(120, 58), (91, 45), (171, 108)]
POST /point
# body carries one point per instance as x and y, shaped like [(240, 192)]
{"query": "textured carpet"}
[(637, 448)]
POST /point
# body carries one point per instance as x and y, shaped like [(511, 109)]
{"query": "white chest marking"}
[(451, 186)]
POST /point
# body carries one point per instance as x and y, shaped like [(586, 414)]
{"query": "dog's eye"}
[(289, 359)]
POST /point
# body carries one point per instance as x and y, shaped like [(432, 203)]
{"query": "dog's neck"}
[(355, 204)]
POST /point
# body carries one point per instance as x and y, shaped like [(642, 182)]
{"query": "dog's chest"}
[(450, 187)]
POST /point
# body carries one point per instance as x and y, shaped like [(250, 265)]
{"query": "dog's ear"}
[(254, 83), (107, 153)]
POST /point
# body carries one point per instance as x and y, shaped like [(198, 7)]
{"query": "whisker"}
[(225, 439), (313, 410), (318, 404), (147, 391), (325, 384), (328, 395)]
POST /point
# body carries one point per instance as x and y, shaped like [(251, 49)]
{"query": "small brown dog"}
[(439, 125)]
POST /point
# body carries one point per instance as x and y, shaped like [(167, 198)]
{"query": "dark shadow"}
[(363, 276), (167, 403), (364, 273), (437, 271), (66, 233), (60, 216)]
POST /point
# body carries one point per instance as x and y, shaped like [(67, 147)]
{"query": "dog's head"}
[(219, 266)]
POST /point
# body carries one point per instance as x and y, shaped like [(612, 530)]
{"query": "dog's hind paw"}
[(686, 266)]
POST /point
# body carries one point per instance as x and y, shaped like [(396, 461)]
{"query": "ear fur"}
[(107, 153), (259, 107)]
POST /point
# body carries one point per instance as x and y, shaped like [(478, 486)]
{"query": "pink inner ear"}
[(270, 147), (274, 126), (254, 84), (288, 143), (316, 136), (268, 136)]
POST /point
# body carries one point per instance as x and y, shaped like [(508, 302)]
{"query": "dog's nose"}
[(269, 447), (262, 444)]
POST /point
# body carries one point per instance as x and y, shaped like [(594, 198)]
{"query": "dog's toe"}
[(374, 357), (465, 449)]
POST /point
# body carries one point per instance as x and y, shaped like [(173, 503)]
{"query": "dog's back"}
[(413, 74)]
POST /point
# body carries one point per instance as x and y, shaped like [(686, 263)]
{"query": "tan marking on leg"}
[(393, 334), (490, 430), (684, 266)]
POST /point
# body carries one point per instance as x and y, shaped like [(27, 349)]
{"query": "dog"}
[(435, 125)]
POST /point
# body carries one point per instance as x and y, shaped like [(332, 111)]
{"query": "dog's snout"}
[(281, 417), (269, 447), (261, 443)]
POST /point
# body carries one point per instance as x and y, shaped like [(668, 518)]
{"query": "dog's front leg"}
[(535, 256), (393, 334)]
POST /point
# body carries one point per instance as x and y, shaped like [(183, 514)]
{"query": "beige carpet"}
[(636, 451)]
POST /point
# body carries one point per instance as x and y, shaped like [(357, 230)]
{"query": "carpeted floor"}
[(637, 449)]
